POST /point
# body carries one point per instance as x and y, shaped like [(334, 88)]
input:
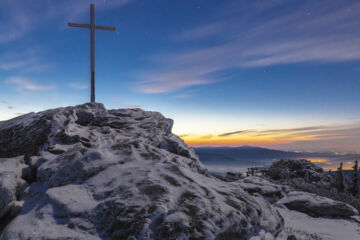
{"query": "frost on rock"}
[(253, 184), (10, 185), (295, 168), (302, 226), (94, 173), (315, 205)]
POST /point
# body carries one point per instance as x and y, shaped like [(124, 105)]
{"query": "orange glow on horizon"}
[(317, 160), (238, 140), (267, 140)]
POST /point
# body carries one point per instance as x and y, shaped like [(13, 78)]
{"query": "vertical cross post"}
[(92, 28), (92, 51)]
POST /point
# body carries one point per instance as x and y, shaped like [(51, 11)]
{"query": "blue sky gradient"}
[(212, 66)]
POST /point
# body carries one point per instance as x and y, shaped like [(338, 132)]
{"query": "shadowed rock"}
[(315, 205), (118, 174)]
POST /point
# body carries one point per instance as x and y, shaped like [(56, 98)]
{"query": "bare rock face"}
[(85, 172), (317, 206), (23, 135)]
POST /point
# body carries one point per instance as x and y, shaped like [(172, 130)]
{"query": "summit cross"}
[(92, 28)]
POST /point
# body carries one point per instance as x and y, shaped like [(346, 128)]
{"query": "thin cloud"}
[(133, 106), (200, 32), (172, 81), (19, 19), (11, 65), (258, 133), (182, 96), (317, 138), (26, 60), (344, 144), (25, 84), (73, 10), (78, 86), (232, 133), (308, 32), (287, 130), (184, 135), (8, 105), (209, 136)]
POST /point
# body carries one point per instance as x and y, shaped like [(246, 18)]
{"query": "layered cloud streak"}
[(313, 138), (251, 35)]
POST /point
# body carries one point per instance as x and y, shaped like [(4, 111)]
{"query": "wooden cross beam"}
[(92, 28)]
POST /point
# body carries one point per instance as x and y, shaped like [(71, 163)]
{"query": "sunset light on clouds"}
[(335, 138), (180, 119), (280, 74)]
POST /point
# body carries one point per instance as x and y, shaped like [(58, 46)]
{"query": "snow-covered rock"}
[(295, 168), (11, 184), (302, 226), (253, 184), (315, 205), (115, 174)]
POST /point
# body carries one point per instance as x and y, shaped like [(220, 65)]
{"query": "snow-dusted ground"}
[(302, 225), (94, 173), (315, 205), (10, 184), (120, 173), (305, 227)]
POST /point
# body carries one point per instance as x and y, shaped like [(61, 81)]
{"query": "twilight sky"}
[(275, 73)]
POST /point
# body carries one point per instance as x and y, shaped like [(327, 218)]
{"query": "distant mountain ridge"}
[(214, 154), (243, 152), (87, 173)]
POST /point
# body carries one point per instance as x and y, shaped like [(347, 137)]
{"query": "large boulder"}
[(317, 206), (121, 174), (23, 135), (295, 168), (11, 184), (253, 184)]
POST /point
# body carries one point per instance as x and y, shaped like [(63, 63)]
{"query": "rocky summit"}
[(85, 172)]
